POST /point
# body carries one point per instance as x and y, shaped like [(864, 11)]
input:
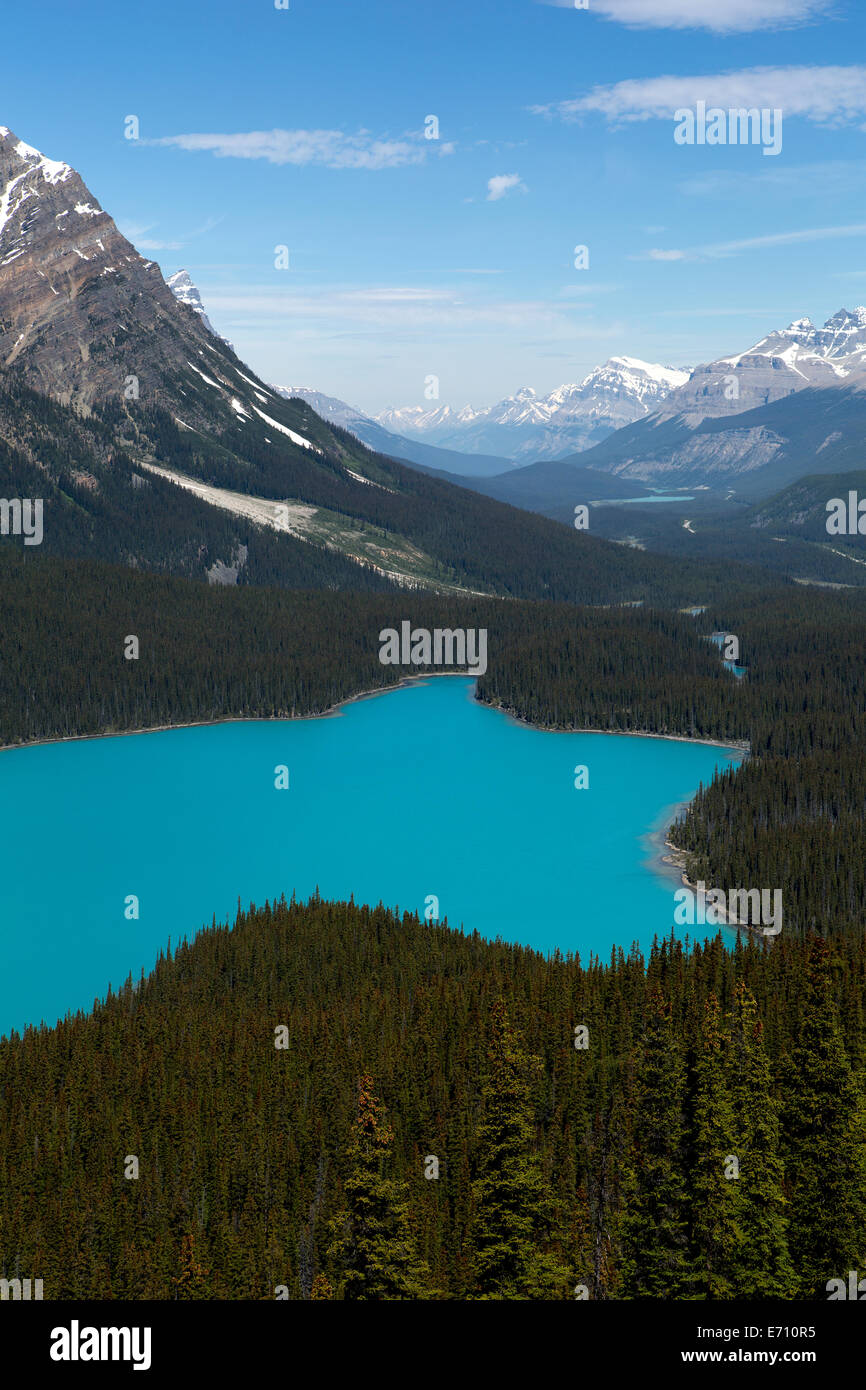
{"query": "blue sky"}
[(305, 128)]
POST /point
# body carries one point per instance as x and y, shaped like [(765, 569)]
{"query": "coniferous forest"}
[(337, 1102)]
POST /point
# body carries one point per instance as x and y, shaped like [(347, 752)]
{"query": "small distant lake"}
[(719, 639), (416, 793), (636, 501)]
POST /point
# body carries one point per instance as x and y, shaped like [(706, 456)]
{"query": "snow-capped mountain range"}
[(632, 418), (786, 360), (803, 387), (526, 426), (648, 422)]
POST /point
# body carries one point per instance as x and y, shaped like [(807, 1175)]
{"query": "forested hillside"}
[(102, 501), (209, 653), (333, 1101)]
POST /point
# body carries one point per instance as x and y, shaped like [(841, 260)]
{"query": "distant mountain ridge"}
[(528, 427), (375, 436), (754, 421)]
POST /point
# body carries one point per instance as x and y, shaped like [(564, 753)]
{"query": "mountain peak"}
[(52, 170), (843, 318), (80, 309)]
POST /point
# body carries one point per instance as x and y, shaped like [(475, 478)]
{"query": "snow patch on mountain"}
[(284, 429), (52, 170)]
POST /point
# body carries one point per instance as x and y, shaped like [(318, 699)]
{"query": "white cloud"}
[(500, 184), (137, 233), (333, 148), (828, 95), (720, 16), (716, 250)]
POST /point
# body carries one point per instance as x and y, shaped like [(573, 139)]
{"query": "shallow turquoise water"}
[(418, 792)]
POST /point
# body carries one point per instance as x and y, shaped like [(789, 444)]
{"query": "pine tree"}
[(825, 1141), (513, 1210), (717, 1204), (764, 1267), (373, 1242), (655, 1225), (193, 1281)]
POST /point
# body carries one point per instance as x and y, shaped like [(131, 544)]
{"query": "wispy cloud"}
[(827, 95), (137, 233), (716, 250), (149, 244), (832, 178), (332, 148), (726, 313), (579, 291), (500, 184), (393, 308), (720, 16)]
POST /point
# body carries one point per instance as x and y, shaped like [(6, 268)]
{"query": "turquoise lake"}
[(421, 791)]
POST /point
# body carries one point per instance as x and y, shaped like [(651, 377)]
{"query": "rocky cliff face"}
[(80, 310)]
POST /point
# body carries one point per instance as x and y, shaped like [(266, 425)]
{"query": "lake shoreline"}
[(675, 863), (190, 865), (665, 864), (333, 711), (733, 746)]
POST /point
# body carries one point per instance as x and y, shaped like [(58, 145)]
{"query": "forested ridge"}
[(207, 653), (285, 1086)]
